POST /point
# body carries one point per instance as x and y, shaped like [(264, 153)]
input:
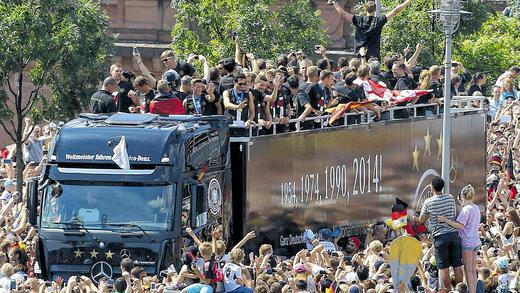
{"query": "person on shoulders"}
[(369, 27)]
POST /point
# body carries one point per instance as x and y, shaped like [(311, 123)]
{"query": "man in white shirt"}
[(513, 72), (494, 102)]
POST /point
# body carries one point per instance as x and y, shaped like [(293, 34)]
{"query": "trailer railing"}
[(459, 104)]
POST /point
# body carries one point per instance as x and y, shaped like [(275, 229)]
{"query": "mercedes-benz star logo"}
[(101, 269), (125, 253)]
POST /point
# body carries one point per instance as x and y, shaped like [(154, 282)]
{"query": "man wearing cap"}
[(10, 188), (446, 239), (174, 81), (353, 246), (302, 273), (326, 236), (368, 28)]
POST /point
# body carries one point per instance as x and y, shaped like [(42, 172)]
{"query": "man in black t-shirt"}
[(229, 68), (262, 100), (200, 102), (351, 92), (181, 67), (404, 82), (302, 103), (368, 28), (260, 92), (102, 102), (143, 87), (320, 94), (126, 96)]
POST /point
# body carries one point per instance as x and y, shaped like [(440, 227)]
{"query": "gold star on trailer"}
[(78, 253), (439, 146), (94, 253), (415, 155), (109, 254), (427, 142)]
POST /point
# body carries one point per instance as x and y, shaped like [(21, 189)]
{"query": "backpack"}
[(213, 271)]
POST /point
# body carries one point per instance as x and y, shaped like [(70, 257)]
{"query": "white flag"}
[(120, 156)]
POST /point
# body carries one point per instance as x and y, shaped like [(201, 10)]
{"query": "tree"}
[(416, 25), (54, 43), (205, 27), (494, 48)]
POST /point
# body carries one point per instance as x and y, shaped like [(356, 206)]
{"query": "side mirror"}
[(32, 204)]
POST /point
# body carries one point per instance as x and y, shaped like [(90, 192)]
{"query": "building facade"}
[(147, 25)]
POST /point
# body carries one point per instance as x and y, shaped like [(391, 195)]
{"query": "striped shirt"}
[(439, 205)]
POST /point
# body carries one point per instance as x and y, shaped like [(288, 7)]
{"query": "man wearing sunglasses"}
[(239, 102), (181, 67)]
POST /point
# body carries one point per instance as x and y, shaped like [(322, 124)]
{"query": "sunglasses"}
[(242, 83), (501, 210), (166, 59)]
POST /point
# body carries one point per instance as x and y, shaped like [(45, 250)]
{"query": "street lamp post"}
[(449, 20)]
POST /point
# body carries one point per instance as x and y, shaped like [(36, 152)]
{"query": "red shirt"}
[(166, 106)]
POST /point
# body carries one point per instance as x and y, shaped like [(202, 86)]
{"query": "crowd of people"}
[(483, 252)]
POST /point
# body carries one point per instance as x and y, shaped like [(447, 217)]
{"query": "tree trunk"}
[(20, 166)]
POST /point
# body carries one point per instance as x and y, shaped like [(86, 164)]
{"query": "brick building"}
[(147, 25)]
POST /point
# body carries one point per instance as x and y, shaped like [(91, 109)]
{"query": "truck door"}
[(194, 213)]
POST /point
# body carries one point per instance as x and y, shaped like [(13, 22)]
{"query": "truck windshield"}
[(98, 206)]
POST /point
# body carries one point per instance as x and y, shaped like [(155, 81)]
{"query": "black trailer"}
[(347, 178)]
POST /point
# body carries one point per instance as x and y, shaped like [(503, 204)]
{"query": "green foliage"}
[(416, 25), (515, 8), (61, 44), (494, 48), (205, 27)]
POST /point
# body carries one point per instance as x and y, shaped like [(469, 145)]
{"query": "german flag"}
[(202, 172), (341, 109)]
